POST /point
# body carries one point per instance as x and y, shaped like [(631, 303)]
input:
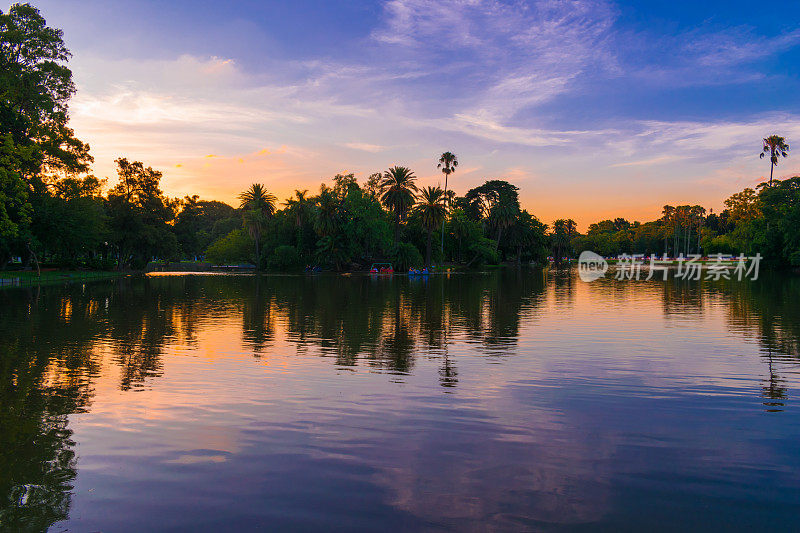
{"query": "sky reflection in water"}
[(510, 400)]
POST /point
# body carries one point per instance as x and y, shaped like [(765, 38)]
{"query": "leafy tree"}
[(743, 206), (195, 224), (15, 207), (480, 200), (35, 87), (461, 227), (344, 183), (285, 257), (503, 215), (365, 227), (301, 209), (71, 223), (779, 233), (775, 146), (232, 248), (139, 216), (372, 187), (329, 212), (528, 236), (405, 255), (332, 249)]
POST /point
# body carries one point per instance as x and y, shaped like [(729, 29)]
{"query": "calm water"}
[(505, 401)]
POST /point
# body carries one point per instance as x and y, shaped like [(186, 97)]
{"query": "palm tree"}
[(397, 194), (300, 206), (775, 146), (522, 233), (257, 197), (572, 227), (448, 163), (459, 227), (669, 220), (328, 213), (431, 212), (259, 205), (331, 248), (563, 229), (502, 216)]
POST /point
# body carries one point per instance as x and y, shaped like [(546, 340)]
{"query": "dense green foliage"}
[(766, 221), (350, 226)]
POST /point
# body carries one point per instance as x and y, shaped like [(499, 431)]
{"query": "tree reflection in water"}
[(54, 341)]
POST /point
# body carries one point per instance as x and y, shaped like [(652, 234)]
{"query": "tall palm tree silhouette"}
[(432, 212), (259, 205), (448, 163), (398, 194), (775, 146)]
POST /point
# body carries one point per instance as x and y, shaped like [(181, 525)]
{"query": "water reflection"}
[(530, 358)]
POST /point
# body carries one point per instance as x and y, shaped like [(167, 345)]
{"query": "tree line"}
[(764, 220), (54, 211)]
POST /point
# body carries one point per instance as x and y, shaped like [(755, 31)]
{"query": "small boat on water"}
[(381, 268)]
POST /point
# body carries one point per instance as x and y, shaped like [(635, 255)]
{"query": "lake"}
[(509, 400)]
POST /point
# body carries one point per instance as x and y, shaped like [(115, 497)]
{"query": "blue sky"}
[(594, 109)]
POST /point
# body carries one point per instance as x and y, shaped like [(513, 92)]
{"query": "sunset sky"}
[(594, 109)]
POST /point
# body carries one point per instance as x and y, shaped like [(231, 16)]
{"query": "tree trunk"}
[(771, 167), (688, 234), (699, 226), (35, 260), (675, 241), (396, 227), (473, 259), (428, 251), (258, 255), (447, 203)]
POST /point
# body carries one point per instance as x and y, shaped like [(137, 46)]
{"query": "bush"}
[(406, 255), (284, 258), (234, 247), (484, 251)]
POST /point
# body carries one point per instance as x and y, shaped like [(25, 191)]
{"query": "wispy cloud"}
[(735, 46), (647, 162), (366, 147), (524, 54), (705, 56)]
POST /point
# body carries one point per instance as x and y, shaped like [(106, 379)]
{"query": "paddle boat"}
[(381, 268)]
